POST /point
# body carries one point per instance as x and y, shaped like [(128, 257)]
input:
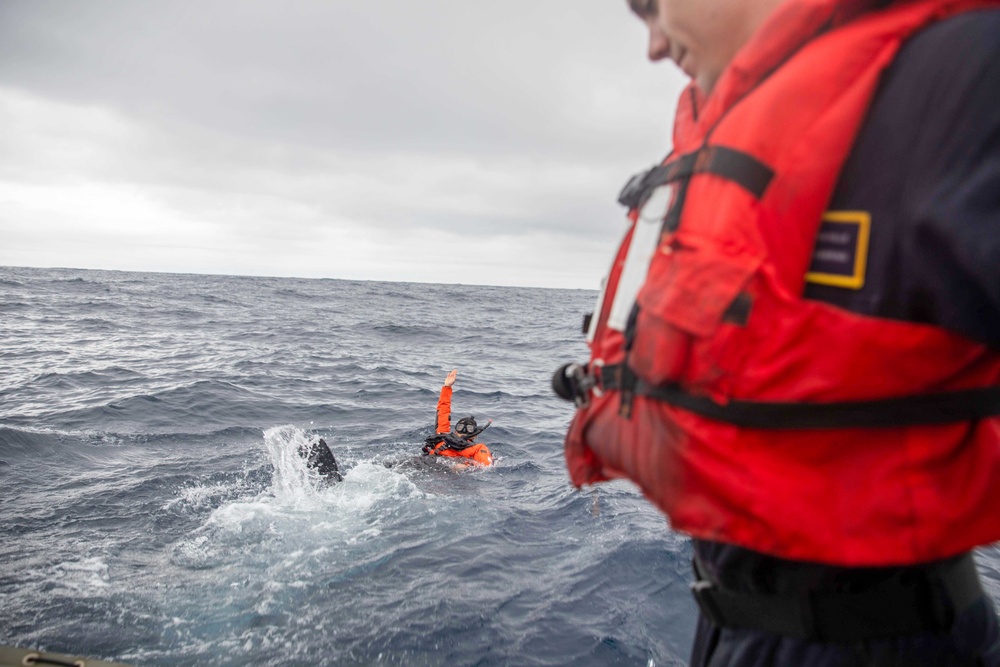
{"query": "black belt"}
[(925, 600)]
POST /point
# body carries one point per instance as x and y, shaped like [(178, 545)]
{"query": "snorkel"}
[(466, 428), (481, 429)]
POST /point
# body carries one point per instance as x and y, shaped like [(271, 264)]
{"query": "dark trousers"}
[(974, 642), (973, 639)]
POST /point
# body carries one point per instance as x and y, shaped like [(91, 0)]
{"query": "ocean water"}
[(153, 509)]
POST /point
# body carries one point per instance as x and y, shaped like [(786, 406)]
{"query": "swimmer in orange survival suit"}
[(459, 441)]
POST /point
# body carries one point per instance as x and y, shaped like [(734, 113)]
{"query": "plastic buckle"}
[(626, 381), (634, 191), (941, 603), (810, 627), (597, 377), (702, 591), (582, 382)]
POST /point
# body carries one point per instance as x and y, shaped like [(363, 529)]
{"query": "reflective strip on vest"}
[(595, 318), (645, 240)]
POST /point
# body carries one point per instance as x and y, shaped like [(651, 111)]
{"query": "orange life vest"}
[(746, 413)]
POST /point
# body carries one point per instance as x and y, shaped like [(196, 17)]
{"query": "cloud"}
[(339, 139)]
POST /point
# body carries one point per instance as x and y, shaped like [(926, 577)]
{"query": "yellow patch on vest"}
[(841, 251)]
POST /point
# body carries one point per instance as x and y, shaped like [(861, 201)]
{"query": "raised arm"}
[(444, 404)]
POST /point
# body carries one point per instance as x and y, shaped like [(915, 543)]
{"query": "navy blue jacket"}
[(926, 166)]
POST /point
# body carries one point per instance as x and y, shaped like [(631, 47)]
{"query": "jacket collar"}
[(792, 25)]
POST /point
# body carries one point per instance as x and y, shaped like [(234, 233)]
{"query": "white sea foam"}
[(302, 510), (197, 496), (86, 576), (296, 486)]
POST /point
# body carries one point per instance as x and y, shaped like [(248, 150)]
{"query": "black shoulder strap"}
[(450, 440), (742, 168)]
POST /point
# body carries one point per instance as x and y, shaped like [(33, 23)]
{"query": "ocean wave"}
[(39, 441), (80, 285), (407, 330), (93, 377), (202, 406), (12, 306), (29, 443)]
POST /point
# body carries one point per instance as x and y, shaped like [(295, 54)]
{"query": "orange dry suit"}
[(477, 452), (747, 413)]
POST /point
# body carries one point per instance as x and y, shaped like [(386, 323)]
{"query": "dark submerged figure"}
[(319, 458)]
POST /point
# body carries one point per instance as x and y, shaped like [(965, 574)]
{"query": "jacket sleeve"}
[(444, 411)]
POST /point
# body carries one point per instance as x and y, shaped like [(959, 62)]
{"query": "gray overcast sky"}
[(423, 140)]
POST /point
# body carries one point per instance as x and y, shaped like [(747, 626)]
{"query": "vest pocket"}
[(685, 330)]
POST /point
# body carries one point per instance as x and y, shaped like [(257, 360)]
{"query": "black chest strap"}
[(435, 443), (921, 410)]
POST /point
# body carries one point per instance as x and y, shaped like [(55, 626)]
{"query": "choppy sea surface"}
[(153, 509)]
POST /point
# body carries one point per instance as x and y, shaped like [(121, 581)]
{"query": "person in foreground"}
[(460, 440), (796, 354)]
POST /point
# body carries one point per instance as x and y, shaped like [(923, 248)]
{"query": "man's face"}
[(701, 36)]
